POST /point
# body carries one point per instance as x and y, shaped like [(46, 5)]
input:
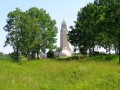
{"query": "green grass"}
[(87, 74)]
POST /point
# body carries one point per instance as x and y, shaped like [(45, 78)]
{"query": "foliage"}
[(97, 24), (112, 21), (30, 32), (84, 32), (103, 57), (50, 54), (5, 57), (58, 50)]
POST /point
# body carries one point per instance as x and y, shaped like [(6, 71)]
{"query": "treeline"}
[(30, 32), (97, 23)]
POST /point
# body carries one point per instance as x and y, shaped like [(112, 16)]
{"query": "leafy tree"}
[(30, 32), (97, 24), (13, 28), (47, 30), (84, 31), (76, 39), (112, 21)]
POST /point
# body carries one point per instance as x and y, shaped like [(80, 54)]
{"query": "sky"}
[(57, 9)]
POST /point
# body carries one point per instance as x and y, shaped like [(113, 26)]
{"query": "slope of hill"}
[(60, 75)]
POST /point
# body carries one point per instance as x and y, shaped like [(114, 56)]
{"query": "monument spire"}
[(64, 44)]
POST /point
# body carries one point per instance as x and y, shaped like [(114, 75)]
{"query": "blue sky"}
[(57, 9)]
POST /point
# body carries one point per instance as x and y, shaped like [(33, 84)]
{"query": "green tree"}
[(47, 30), (13, 28), (30, 32), (85, 31), (112, 21)]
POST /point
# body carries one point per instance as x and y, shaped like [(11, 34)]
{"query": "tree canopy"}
[(30, 32), (97, 23)]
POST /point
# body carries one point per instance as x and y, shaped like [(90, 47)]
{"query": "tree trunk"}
[(115, 50), (90, 49), (93, 50), (89, 52), (109, 50), (58, 54), (17, 53), (38, 54), (28, 56), (119, 52)]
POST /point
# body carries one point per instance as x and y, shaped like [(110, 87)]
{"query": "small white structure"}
[(65, 53), (64, 44), (41, 55)]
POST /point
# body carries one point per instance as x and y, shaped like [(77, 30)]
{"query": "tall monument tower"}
[(64, 44)]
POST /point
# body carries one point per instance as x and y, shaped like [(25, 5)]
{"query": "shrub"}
[(14, 57), (5, 57), (50, 54), (103, 57)]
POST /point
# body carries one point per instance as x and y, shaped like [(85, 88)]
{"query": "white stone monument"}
[(64, 44)]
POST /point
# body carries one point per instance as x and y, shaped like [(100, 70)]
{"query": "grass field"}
[(87, 74)]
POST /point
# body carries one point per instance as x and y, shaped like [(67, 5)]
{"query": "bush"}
[(103, 57), (5, 57), (50, 54), (14, 57), (74, 57), (78, 57)]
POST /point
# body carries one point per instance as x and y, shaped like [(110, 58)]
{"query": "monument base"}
[(65, 53)]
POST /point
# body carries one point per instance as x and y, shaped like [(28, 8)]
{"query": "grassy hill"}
[(87, 74)]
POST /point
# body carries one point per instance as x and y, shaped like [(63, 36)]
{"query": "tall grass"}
[(60, 75), (5, 57)]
